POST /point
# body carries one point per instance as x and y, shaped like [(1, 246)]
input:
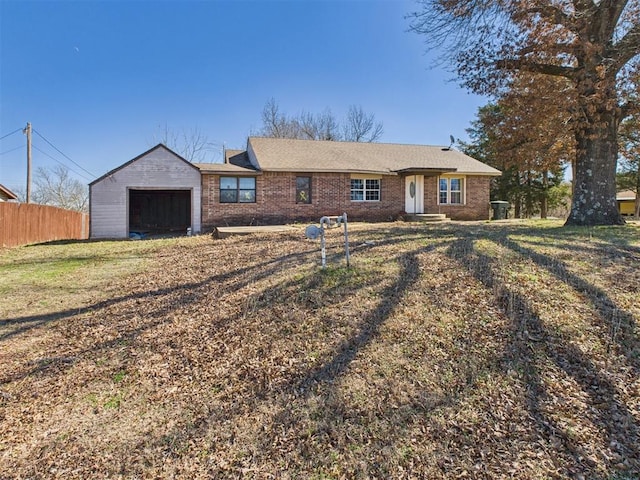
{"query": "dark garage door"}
[(159, 211)]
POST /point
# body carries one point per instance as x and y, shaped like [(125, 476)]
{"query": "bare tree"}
[(54, 186), (593, 44), (360, 126), (357, 127), (193, 145), (323, 126), (276, 124)]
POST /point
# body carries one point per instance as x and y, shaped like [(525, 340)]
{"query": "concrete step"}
[(427, 217)]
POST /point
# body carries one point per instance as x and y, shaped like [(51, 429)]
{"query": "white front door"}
[(414, 194)]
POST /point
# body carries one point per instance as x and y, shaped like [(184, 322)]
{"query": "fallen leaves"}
[(439, 354)]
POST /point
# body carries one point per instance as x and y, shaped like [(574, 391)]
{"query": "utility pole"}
[(27, 132)]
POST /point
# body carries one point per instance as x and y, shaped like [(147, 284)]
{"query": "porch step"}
[(427, 217)]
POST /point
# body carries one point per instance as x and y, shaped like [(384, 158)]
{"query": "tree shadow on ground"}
[(319, 379), (163, 301), (368, 329), (34, 321), (319, 382), (530, 340), (620, 323)]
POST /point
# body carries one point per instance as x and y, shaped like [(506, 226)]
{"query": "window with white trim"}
[(451, 191), (365, 189)]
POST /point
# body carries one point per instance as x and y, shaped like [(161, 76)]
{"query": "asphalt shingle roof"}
[(278, 154), (237, 163)]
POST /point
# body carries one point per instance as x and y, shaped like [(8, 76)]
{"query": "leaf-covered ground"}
[(507, 350)]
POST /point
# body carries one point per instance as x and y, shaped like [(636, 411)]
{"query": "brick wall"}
[(330, 195), (477, 197), (276, 200)]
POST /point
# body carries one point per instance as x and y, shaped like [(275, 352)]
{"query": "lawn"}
[(477, 350)]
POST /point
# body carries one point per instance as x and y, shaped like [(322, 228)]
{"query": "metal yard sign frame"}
[(312, 232)]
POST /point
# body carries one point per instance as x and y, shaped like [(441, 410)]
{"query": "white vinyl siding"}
[(158, 170)]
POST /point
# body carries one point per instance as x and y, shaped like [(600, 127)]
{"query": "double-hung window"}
[(237, 190), (365, 189), (451, 191)]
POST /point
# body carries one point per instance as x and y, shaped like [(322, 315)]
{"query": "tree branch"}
[(555, 49), (534, 67), (627, 48), (552, 13), (612, 10)]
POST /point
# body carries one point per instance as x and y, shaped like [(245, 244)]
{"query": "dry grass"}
[(456, 351)]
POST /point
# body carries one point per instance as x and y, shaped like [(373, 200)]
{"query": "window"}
[(303, 189), (450, 191), (365, 189), (237, 190)]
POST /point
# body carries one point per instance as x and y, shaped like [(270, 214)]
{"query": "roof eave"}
[(8, 193), (483, 174), (248, 173), (429, 171), (329, 170)]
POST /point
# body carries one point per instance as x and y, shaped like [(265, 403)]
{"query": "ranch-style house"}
[(276, 181)]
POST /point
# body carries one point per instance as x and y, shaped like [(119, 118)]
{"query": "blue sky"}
[(98, 79)]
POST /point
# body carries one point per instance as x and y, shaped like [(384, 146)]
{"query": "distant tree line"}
[(357, 126)]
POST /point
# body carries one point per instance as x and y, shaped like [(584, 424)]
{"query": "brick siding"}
[(330, 195), (477, 198)]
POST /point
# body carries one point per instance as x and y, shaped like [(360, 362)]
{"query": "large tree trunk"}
[(594, 188)]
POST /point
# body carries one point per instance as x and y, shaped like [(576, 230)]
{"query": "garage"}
[(158, 192), (153, 212)]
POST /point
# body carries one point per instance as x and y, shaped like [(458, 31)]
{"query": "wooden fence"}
[(25, 223)]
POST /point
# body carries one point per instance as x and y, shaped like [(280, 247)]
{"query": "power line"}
[(56, 160), (8, 134), (13, 149), (61, 153)]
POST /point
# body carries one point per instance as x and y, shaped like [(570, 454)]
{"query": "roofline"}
[(126, 164), (246, 173), (328, 170), (8, 193), (406, 171), (483, 174), (443, 147)]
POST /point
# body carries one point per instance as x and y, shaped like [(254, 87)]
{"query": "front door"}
[(414, 194)]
